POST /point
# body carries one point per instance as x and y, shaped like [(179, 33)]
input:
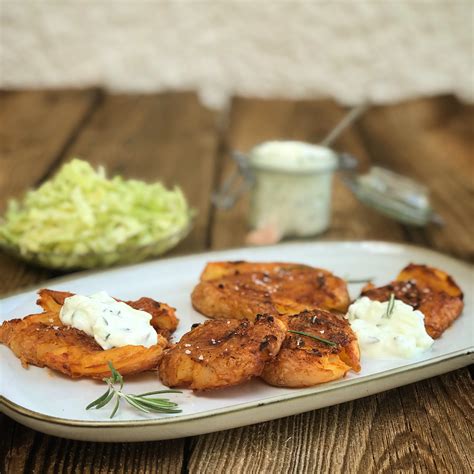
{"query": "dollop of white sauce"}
[(111, 323), (401, 334)]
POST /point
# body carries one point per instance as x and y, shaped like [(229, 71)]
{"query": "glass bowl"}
[(122, 255)]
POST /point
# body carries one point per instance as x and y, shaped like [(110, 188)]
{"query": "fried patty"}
[(427, 289), (222, 353), (304, 361), (43, 340), (242, 290)]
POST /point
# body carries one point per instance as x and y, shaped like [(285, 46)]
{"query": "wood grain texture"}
[(35, 129), (253, 121), (24, 450), (16, 442), (423, 427)]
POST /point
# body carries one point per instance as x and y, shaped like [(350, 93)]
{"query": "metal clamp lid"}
[(394, 195), (230, 191)]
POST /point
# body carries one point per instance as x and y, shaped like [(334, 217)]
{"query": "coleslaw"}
[(82, 212)]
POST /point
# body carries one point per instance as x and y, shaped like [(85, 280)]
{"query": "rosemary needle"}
[(317, 338), (142, 402), (358, 280), (390, 306)]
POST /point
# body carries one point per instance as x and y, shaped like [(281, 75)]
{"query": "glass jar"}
[(291, 186)]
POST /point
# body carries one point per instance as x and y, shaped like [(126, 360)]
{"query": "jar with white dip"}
[(291, 186)]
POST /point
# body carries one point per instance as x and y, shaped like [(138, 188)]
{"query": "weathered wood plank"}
[(35, 128), (170, 137), (253, 121), (431, 140), (24, 450), (18, 274), (423, 427), (15, 444)]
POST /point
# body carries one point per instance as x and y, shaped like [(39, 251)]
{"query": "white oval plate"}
[(54, 404)]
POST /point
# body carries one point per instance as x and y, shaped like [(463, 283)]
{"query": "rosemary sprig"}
[(317, 338), (390, 306), (141, 402), (358, 280)]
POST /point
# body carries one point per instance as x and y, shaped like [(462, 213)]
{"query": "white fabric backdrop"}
[(352, 51)]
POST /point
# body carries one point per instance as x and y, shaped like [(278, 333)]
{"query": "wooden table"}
[(423, 427)]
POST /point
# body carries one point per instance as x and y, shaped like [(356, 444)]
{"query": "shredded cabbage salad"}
[(82, 212)]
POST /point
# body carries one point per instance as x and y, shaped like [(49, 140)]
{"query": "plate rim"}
[(307, 392)]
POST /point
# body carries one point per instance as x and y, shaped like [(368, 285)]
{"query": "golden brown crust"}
[(222, 353), (427, 289), (304, 361), (42, 340), (163, 316), (243, 289), (432, 278)]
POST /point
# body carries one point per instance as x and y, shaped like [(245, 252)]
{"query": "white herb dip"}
[(111, 323), (400, 333), (292, 188)]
